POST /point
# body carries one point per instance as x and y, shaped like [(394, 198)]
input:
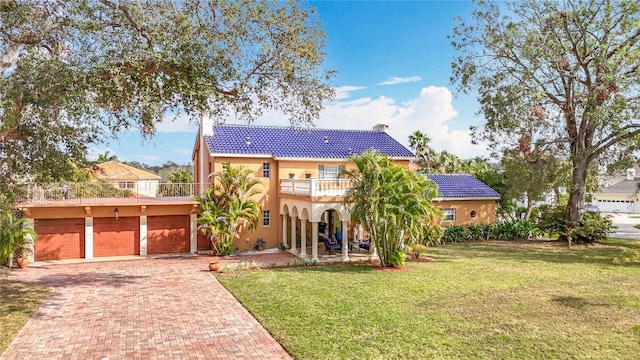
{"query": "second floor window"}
[(266, 170), (329, 171)]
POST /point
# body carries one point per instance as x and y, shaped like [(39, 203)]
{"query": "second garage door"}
[(168, 234), (116, 237)]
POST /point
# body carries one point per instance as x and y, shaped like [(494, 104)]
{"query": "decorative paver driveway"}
[(171, 308)]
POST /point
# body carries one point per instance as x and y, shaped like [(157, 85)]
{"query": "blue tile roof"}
[(283, 142), (456, 186)]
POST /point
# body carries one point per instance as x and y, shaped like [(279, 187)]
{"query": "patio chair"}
[(328, 246)]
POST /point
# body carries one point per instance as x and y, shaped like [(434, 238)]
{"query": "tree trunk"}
[(577, 191), (529, 209)]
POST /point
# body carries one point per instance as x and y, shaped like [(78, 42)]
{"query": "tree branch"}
[(125, 11)]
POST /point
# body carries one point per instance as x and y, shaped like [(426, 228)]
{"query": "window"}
[(126, 185), (292, 175), (266, 218), (307, 176), (473, 213), (266, 170), (449, 214), (329, 171)]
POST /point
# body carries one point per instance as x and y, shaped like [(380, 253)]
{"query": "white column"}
[(143, 235), (284, 229), (293, 233), (193, 236), (314, 241), (88, 238), (345, 241), (29, 241), (360, 232), (303, 238)]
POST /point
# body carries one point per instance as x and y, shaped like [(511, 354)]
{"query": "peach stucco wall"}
[(280, 169), (485, 211)]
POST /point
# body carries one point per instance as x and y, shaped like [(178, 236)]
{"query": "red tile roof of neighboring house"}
[(113, 170)]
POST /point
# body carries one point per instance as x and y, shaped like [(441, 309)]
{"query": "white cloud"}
[(399, 80), (431, 112), (343, 92)]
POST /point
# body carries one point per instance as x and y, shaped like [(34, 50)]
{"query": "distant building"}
[(126, 177)]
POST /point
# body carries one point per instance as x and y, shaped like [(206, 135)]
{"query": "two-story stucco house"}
[(301, 169)]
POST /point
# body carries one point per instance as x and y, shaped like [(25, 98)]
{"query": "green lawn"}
[(492, 300), (17, 302)]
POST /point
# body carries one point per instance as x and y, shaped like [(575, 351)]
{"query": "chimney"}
[(380, 128), (206, 124), (631, 174)]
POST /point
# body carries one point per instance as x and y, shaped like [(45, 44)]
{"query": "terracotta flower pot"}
[(214, 265), (22, 262)]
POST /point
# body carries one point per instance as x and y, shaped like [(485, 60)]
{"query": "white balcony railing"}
[(96, 192), (315, 187)]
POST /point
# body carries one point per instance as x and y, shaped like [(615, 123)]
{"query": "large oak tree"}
[(75, 71), (560, 74)]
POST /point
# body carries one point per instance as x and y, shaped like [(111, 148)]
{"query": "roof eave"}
[(466, 198), (261, 156)]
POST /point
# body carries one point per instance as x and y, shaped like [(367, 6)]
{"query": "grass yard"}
[(491, 300), (17, 302)]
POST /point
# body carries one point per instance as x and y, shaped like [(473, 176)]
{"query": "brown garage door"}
[(168, 234), (116, 237), (59, 239)]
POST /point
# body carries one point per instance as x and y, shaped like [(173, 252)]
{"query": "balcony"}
[(315, 187), (100, 192)]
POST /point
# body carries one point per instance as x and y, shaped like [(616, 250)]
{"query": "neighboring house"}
[(464, 199), (126, 177), (620, 197)]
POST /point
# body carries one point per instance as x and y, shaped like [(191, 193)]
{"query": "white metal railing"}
[(315, 187), (95, 192)]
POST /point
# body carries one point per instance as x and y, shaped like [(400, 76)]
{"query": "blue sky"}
[(393, 62)]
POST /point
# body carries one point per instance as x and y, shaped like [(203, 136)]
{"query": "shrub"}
[(479, 232), (515, 230), (417, 250), (397, 258), (454, 234), (592, 228), (550, 219), (224, 248)]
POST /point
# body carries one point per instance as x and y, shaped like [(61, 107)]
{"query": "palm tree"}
[(392, 202), (103, 158), (229, 206)]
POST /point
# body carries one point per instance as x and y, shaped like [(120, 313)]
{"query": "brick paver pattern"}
[(171, 308)]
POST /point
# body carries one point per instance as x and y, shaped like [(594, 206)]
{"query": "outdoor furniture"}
[(328, 246)]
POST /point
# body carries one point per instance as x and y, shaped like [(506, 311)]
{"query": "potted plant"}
[(260, 243), (15, 238), (214, 265), (22, 256)]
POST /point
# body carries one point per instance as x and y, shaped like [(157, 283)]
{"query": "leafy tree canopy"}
[(563, 75), (73, 72)]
